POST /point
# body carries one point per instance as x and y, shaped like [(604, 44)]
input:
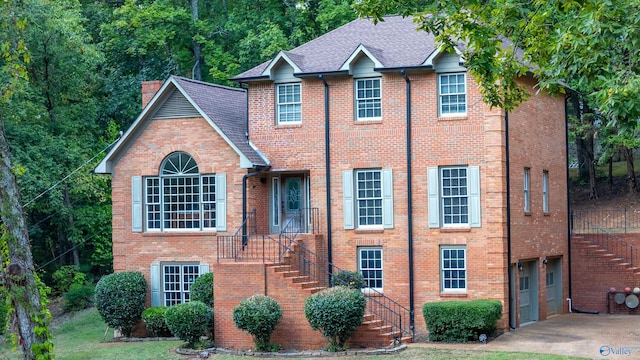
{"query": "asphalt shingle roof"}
[(227, 108), (395, 42)]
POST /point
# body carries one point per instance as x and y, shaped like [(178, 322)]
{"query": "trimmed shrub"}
[(461, 321), (351, 279), (189, 321), (79, 297), (202, 289), (336, 312), (66, 276), (258, 315), (154, 321), (120, 299)]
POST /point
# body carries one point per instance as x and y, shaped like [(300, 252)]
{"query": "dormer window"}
[(368, 99), (288, 104), (452, 94)]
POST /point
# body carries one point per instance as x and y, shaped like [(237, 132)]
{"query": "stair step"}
[(608, 255), (281, 268), (615, 259), (625, 264), (308, 285), (300, 279), (313, 290), (373, 323), (290, 273)]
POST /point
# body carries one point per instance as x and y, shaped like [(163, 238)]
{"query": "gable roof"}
[(394, 42), (224, 108)]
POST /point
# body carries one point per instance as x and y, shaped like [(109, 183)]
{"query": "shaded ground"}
[(609, 197)]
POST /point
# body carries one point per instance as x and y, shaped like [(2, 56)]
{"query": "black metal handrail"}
[(608, 241), (305, 221), (319, 269), (614, 220)]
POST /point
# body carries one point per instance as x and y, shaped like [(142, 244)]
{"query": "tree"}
[(19, 275), (592, 46)]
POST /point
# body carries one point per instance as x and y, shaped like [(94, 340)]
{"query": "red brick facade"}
[(536, 133)]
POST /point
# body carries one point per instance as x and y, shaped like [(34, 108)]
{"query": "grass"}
[(82, 338)]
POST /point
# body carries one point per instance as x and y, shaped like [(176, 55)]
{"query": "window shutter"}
[(204, 269), (474, 196), (155, 284), (347, 200), (136, 203), (387, 199), (221, 202), (433, 186)]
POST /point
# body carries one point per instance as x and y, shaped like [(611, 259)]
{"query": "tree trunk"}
[(197, 67), (610, 176), (20, 279), (72, 244), (631, 174)]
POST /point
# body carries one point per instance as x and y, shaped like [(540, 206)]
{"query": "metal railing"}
[(285, 251), (613, 220), (305, 221), (319, 269), (229, 246), (588, 225)]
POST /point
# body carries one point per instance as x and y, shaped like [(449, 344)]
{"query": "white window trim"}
[(441, 178), (374, 118), (434, 202), (545, 191), (181, 274), (527, 190), (377, 248), (278, 104), (442, 269), (466, 96), (357, 200)]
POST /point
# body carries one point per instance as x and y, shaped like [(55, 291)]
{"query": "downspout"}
[(569, 217), (244, 202), (509, 272), (327, 166), (409, 202)]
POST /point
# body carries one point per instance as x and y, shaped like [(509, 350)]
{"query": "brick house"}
[(367, 149)]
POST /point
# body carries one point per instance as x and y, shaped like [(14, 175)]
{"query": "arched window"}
[(180, 198)]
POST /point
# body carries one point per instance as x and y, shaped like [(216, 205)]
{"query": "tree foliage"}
[(590, 46)]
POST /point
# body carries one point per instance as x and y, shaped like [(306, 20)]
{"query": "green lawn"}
[(82, 338)]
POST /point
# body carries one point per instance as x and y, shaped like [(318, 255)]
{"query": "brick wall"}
[(593, 274)]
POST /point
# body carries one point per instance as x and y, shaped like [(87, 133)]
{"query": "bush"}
[(120, 299), (189, 321), (79, 297), (66, 276), (4, 311), (351, 279), (153, 318), (258, 315), (460, 321), (202, 289), (336, 312)]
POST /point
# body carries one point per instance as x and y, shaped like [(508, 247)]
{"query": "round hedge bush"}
[(120, 299), (153, 318), (336, 312), (351, 279), (258, 315), (189, 321), (202, 289)]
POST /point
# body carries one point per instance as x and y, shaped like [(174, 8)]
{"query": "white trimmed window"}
[(370, 266), (181, 198), (527, 190), (171, 282), (289, 103), (453, 268), (545, 192), (368, 99), (368, 198), (454, 196), (452, 94)]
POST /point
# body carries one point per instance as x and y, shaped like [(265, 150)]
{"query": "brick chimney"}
[(149, 89)]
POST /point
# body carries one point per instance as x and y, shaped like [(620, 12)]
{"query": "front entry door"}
[(289, 196), (293, 196)]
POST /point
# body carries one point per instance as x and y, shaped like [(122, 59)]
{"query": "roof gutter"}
[(409, 202), (327, 165)]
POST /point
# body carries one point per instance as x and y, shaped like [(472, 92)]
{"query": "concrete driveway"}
[(600, 336)]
